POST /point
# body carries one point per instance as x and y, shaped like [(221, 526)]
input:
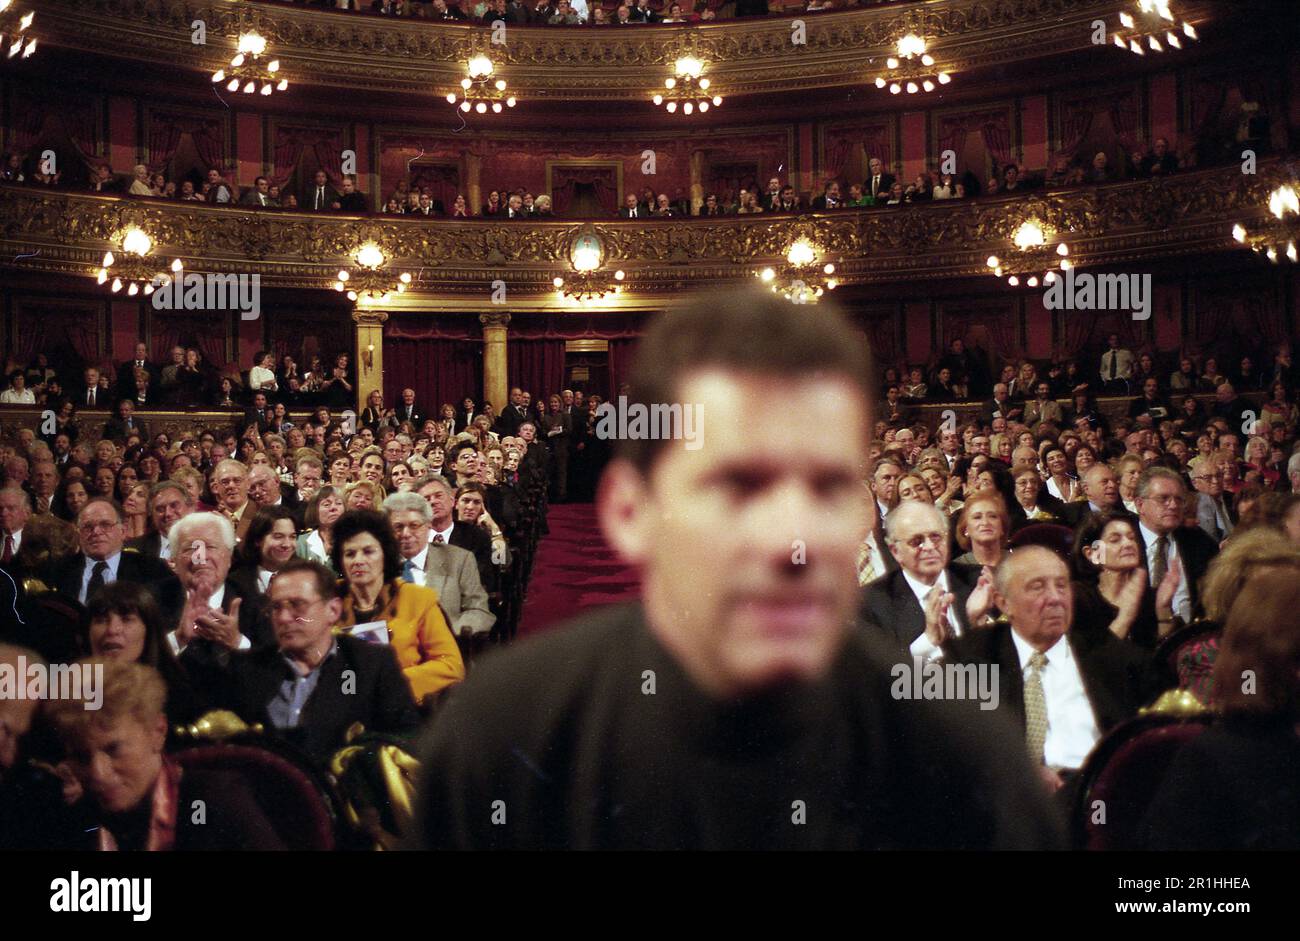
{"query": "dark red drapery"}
[(602, 180), (536, 366), (622, 353), (440, 370)]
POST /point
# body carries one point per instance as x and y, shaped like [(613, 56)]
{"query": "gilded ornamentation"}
[(1184, 213)]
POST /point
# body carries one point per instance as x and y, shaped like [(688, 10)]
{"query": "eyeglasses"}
[(98, 527), (920, 539)]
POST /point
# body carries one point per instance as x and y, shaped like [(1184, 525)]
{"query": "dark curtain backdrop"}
[(440, 370), (309, 149), (167, 129), (602, 180), (443, 181), (536, 366), (60, 332), (622, 353)]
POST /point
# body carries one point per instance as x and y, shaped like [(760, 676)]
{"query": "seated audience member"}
[(269, 545), (366, 552), (926, 601), (733, 664), (1159, 162), (169, 500), (983, 529), (1111, 591), (1212, 513), (1063, 689), (449, 570), (17, 393), (137, 796), (102, 560), (312, 684), (1168, 544), (1033, 503), (317, 542), (216, 609), (1234, 786), (123, 622), (1100, 491)]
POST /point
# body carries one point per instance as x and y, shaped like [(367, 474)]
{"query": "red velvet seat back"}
[(1124, 772), (292, 799)]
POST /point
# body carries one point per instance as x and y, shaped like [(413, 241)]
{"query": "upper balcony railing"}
[(50, 230), (759, 55)]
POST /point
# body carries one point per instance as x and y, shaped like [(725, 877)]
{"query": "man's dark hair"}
[(354, 523), (752, 331), (326, 581), (164, 485)]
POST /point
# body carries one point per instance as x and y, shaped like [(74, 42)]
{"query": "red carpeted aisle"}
[(574, 570)]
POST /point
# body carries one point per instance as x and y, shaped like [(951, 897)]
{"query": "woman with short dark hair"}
[(366, 552)]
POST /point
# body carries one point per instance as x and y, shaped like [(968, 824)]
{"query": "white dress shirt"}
[(264, 577), (1071, 725), (445, 534), (214, 603), (1182, 597), (922, 647), (418, 561), (110, 574), (17, 538)]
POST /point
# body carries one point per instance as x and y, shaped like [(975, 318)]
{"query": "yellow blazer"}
[(418, 633)]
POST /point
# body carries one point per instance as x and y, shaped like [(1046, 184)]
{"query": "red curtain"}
[(622, 354), (1124, 119), (293, 143), (1075, 124), (57, 331), (536, 366), (602, 180), (839, 149), (997, 138), (441, 371)]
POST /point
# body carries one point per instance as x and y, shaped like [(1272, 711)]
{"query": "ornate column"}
[(369, 355), (495, 380), (473, 168), (697, 181)]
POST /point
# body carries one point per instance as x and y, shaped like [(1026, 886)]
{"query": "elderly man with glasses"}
[(927, 601)]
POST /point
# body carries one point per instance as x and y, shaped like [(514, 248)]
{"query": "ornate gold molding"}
[(66, 232), (321, 46)]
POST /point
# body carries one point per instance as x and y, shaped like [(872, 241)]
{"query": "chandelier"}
[(248, 71), (1154, 22), (132, 268), (13, 31), (912, 68), (477, 93), (1033, 241), (369, 280), (687, 88), (1278, 237), (802, 279)]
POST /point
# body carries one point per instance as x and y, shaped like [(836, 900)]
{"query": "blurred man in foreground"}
[(735, 706)]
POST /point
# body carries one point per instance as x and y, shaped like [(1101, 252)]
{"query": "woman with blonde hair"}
[(983, 529), (363, 495)]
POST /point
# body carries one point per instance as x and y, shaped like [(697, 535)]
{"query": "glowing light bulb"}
[(944, 78), (895, 88), (688, 108), (481, 107), (880, 83), (1013, 281), (912, 88)]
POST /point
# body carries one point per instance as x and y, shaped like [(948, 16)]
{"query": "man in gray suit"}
[(449, 570)]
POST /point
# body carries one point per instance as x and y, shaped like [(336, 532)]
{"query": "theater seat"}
[(1189, 654), (1123, 774), (295, 797), (1058, 538), (376, 776)]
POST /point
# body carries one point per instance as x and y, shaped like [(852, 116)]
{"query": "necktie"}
[(438, 540), (1160, 564), (408, 571), (866, 563), (1035, 709), (8, 555), (1223, 521), (90, 397), (320, 197), (96, 578)]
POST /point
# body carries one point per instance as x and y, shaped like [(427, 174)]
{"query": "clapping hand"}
[(1168, 587), (980, 599), (222, 628), (936, 617)]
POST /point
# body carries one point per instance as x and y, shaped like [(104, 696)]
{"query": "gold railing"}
[(56, 231)]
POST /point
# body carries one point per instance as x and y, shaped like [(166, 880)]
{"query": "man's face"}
[(300, 617), (393, 451), (101, 533), (168, 506), (13, 511), (876, 166), (1162, 508), (230, 486), (263, 487), (1039, 602), (441, 500), (885, 483), (320, 177), (948, 441), (1100, 486), (1149, 388), (1230, 443), (980, 445), (308, 479), (92, 378), (412, 532), (527, 432), (1208, 478), (44, 479), (711, 529), (408, 396), (204, 562), (918, 543)]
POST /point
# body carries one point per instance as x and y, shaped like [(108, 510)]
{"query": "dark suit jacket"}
[(819, 204), (378, 695), (1074, 512), (150, 544), (413, 414), (353, 202), (1196, 549), (1046, 502), (477, 541), (886, 181), (104, 398), (253, 198), (891, 610), (254, 612), (1113, 672), (509, 420), (307, 198), (135, 567), (115, 429), (642, 212)]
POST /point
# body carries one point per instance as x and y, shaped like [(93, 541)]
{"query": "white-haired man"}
[(201, 547)]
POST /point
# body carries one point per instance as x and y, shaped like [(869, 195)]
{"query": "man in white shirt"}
[(1169, 545), (1062, 695), (15, 511), (1116, 365), (884, 484)]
